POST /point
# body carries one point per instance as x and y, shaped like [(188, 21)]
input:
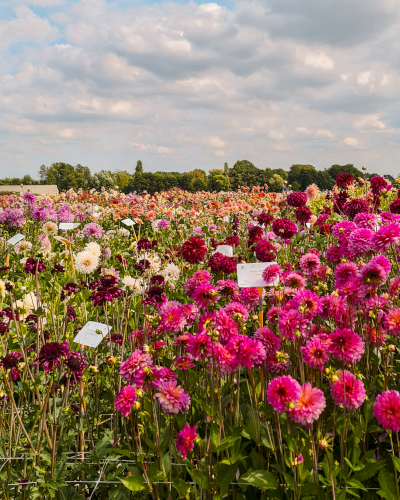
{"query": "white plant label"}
[(250, 275), (15, 239), (128, 222), (68, 225), (88, 336), (226, 250), (226, 218), (308, 224)]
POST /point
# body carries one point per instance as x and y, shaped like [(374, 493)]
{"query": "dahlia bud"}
[(392, 348), (335, 378), (327, 371), (323, 444), (94, 369), (292, 405), (111, 360), (137, 405), (139, 393), (301, 309), (127, 473)]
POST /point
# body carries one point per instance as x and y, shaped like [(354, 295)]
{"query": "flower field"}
[(238, 345)]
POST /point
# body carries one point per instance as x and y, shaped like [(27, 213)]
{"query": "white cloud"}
[(318, 60)]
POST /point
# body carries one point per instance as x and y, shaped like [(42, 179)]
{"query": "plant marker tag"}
[(308, 224), (250, 275), (68, 225), (15, 239), (128, 222), (226, 250), (88, 335), (226, 218), (63, 240)]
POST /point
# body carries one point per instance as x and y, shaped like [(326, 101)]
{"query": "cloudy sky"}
[(183, 85)]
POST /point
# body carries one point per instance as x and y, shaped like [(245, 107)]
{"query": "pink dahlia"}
[(382, 261), (237, 310), (265, 251), (296, 199), (173, 398), (278, 362), (333, 254), (360, 241), (284, 228), (199, 278), (342, 230), (345, 271), (268, 339), (316, 353), (185, 440), (249, 297), (131, 370), (184, 362), (365, 220), (346, 346), (373, 274), (309, 263), (225, 325), (295, 280), (173, 319), (307, 304), (392, 322), (393, 287), (309, 406), (282, 391), (348, 390), (125, 400), (249, 352), (205, 294), (199, 345), (387, 410), (386, 237), (303, 215), (271, 274), (227, 287), (191, 313), (289, 322), (225, 358)]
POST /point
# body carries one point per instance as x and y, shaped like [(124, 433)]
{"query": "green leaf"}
[(133, 483), (369, 471), (226, 443), (262, 479), (388, 484), (396, 463), (309, 489), (226, 476), (119, 451), (356, 484), (181, 487)]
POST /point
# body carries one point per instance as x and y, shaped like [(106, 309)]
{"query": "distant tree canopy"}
[(243, 173)]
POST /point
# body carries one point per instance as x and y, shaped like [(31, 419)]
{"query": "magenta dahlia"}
[(185, 440), (309, 406), (346, 346), (348, 391), (284, 228), (387, 410), (296, 199), (173, 398), (282, 391), (125, 400)]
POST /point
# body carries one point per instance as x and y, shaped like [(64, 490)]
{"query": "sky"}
[(182, 85)]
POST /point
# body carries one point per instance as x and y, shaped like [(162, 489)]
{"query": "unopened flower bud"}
[(392, 348)]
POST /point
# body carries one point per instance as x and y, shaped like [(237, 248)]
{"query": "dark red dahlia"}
[(57, 268), (103, 296), (284, 228), (7, 312), (117, 338), (3, 328), (232, 240), (265, 251), (155, 295), (50, 354), (31, 265), (265, 219), (144, 244), (77, 365), (255, 234), (194, 250), (71, 288), (215, 262), (157, 280), (228, 265), (394, 207), (303, 214), (108, 281), (344, 180), (378, 184), (297, 199), (11, 360), (71, 313), (353, 207)]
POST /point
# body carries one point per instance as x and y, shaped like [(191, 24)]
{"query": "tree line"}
[(243, 173)]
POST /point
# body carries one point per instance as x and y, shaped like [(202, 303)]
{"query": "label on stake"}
[(250, 275), (226, 250), (128, 222), (15, 239), (68, 225), (88, 335)]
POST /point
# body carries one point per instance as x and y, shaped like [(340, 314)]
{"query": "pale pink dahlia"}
[(282, 391), (173, 398), (346, 346), (309, 407), (125, 400), (348, 391), (309, 263), (185, 440), (387, 410)]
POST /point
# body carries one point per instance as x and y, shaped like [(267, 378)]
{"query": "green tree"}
[(105, 179), (275, 183), (217, 180), (243, 173)]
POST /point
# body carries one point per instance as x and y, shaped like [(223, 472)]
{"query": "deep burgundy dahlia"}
[(297, 199), (344, 180), (70, 288), (50, 354), (11, 360), (265, 251), (284, 228), (394, 207), (232, 240), (71, 313), (144, 244), (303, 214), (255, 234), (215, 262), (353, 207), (157, 280), (219, 262), (194, 250), (265, 219), (31, 264), (378, 184)]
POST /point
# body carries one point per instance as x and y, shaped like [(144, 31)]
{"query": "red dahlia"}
[(344, 180), (303, 214), (297, 199), (255, 234), (265, 219), (353, 207), (265, 252), (194, 250), (394, 207), (284, 228)]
